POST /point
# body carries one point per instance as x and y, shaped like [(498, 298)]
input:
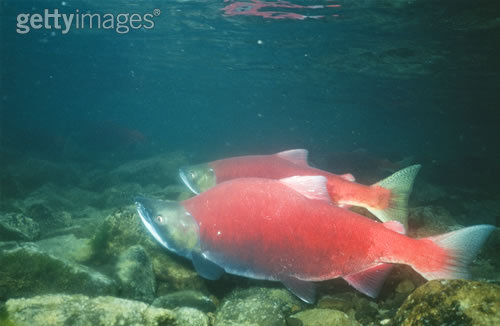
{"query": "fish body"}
[(278, 230), (387, 199)]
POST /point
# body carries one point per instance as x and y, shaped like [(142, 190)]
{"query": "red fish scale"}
[(274, 167)]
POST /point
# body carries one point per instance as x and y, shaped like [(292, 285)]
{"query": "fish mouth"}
[(187, 181), (198, 178), (170, 224), (145, 208)]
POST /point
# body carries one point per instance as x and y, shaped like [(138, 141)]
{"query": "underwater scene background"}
[(92, 117)]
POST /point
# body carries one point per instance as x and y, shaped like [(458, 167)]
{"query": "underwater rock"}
[(485, 211), (26, 270), (342, 301), (426, 221), (118, 232), (135, 273), (48, 217), (80, 310), (123, 229), (257, 306), (53, 197), (187, 298), (81, 228), (82, 201), (15, 226), (451, 302), (174, 273), (118, 195), (31, 173), (405, 286), (425, 193), (191, 317), (355, 305), (325, 317), (67, 247), (487, 264), (161, 170)]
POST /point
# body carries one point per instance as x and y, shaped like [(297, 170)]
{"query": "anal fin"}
[(395, 226), (206, 268), (370, 280)]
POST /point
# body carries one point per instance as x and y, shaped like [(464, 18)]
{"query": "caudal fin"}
[(461, 247), (400, 185)]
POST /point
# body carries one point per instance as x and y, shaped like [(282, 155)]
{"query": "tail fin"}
[(400, 184), (461, 248)]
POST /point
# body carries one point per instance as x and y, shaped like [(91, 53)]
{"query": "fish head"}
[(198, 178), (170, 224)]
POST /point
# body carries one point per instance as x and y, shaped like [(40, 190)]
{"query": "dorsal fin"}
[(296, 156), (395, 226), (312, 187), (348, 177)]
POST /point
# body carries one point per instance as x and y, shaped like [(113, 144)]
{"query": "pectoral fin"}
[(370, 280), (305, 290), (206, 268)]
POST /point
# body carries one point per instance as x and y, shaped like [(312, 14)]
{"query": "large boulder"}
[(425, 221), (186, 316), (80, 310), (67, 247), (160, 169), (134, 271), (186, 298), (18, 227), (257, 306), (355, 305), (325, 317), (26, 270), (451, 302)]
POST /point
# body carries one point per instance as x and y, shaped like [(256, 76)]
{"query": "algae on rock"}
[(26, 270), (135, 273), (325, 317), (257, 306), (451, 302), (80, 310)]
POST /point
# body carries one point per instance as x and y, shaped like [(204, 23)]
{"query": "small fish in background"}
[(386, 199), (288, 231), (104, 139)]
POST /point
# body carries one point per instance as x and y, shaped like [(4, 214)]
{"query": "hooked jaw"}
[(145, 214), (187, 182), (198, 178), (170, 224)]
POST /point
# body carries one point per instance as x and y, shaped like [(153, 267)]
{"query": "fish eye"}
[(159, 219), (192, 174)]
